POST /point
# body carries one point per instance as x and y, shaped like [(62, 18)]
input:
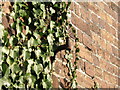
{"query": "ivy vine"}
[(40, 29)]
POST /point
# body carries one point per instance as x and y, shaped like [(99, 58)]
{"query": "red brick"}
[(114, 60), (115, 51), (81, 65), (80, 79), (106, 76), (94, 8), (98, 72), (107, 56), (102, 44), (85, 14), (84, 5), (89, 82), (89, 68), (101, 52), (72, 6), (94, 18), (84, 81), (77, 9), (80, 35), (95, 29), (96, 60), (55, 82), (87, 41), (109, 47)]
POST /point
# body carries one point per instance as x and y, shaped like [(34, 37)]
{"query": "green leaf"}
[(1, 30), (9, 60), (15, 68), (27, 30), (31, 80), (26, 54), (52, 24), (50, 39), (19, 29), (13, 75), (4, 68), (38, 53), (30, 62), (13, 40), (5, 50), (52, 10), (14, 54), (33, 42), (38, 68), (42, 6), (37, 36), (29, 20), (22, 13)]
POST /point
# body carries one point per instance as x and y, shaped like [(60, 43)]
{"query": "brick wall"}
[(97, 25)]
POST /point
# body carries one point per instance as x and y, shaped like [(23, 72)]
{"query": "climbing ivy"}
[(40, 29)]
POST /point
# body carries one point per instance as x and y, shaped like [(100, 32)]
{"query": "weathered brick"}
[(80, 35), (72, 6), (98, 72), (95, 29), (101, 52), (84, 81), (115, 51), (85, 14), (87, 41), (55, 81), (114, 60), (85, 53), (90, 69), (77, 9), (81, 65), (94, 8), (94, 18), (102, 44), (109, 47), (96, 60)]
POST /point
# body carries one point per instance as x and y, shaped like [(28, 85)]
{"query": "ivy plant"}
[(40, 28)]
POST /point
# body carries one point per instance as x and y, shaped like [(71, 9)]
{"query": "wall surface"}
[(97, 25)]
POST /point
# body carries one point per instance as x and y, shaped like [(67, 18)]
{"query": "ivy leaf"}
[(5, 50), (38, 53), (13, 40), (19, 29), (42, 6), (22, 13), (29, 20), (14, 54), (27, 30), (50, 39), (37, 36), (30, 62), (26, 54), (31, 80), (13, 75), (4, 68), (38, 68), (15, 68), (1, 30), (9, 60), (52, 24), (52, 10)]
